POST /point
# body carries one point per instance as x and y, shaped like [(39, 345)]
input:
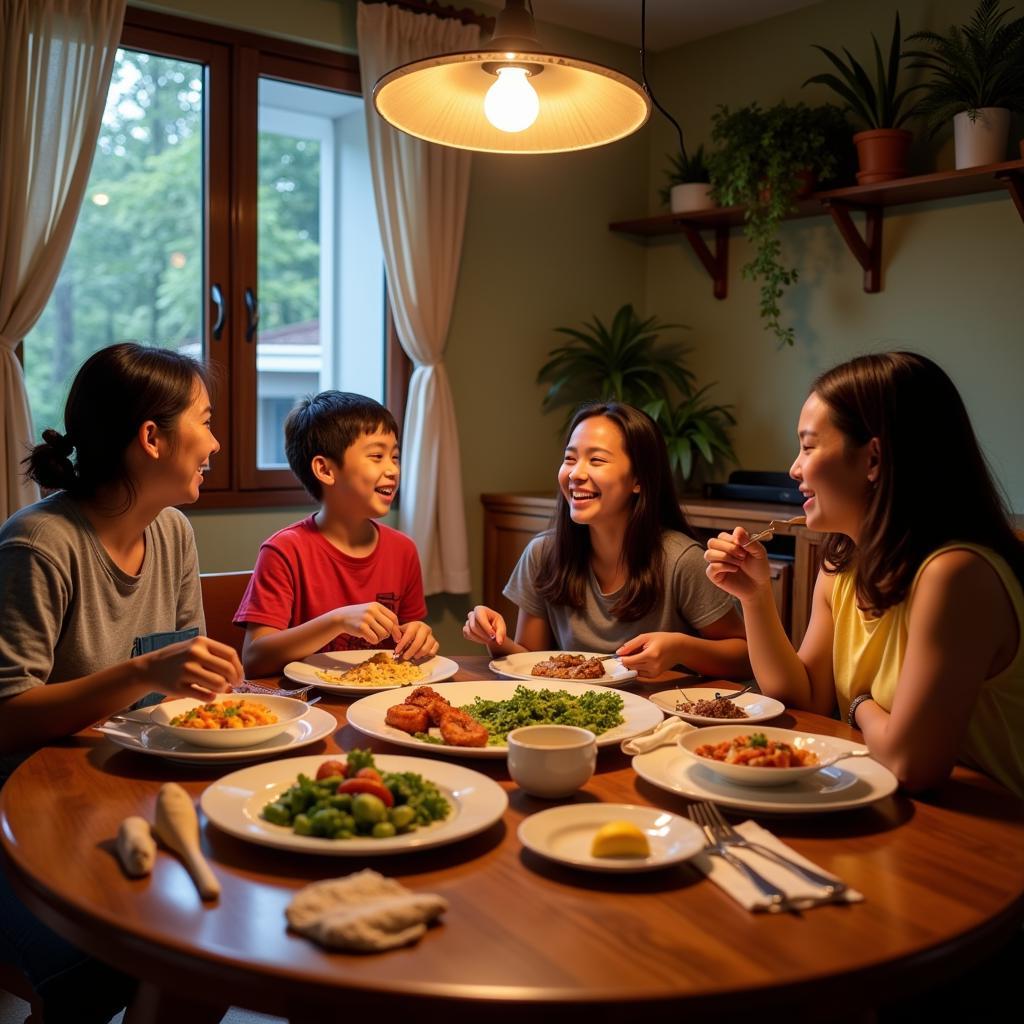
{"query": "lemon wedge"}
[(620, 839)]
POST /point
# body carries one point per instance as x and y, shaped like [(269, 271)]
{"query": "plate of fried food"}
[(361, 672), (581, 666), (702, 706), (473, 718)]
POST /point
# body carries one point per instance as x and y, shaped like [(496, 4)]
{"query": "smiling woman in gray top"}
[(619, 572), (102, 570)]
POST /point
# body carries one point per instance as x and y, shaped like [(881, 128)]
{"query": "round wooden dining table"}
[(942, 877)]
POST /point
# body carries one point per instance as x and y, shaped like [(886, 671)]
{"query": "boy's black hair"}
[(328, 424)]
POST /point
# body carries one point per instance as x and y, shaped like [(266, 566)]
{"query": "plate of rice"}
[(362, 672)]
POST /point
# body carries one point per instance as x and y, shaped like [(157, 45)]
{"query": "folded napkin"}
[(661, 735), (301, 693), (801, 893), (364, 912)]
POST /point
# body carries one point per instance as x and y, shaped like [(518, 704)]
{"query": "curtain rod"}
[(466, 15)]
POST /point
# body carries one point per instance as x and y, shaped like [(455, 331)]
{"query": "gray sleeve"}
[(698, 600), (31, 616), (190, 596), (521, 588)]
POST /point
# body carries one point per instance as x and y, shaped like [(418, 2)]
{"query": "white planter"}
[(691, 197), (983, 140)]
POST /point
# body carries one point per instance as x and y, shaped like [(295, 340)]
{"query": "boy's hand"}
[(372, 621), (417, 642)]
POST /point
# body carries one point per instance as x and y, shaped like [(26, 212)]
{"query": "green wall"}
[(951, 269), (538, 254)]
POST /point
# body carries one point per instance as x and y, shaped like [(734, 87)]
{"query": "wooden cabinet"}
[(510, 520)]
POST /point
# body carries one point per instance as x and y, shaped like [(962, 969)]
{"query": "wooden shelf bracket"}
[(1014, 181), (716, 265), (867, 250)]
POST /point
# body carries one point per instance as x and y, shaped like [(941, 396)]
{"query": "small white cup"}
[(551, 761)]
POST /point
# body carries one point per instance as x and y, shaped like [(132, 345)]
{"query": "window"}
[(229, 214)]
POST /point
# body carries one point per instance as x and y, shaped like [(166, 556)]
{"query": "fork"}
[(726, 835), (775, 896), (773, 526)]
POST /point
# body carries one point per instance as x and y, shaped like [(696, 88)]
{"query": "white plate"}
[(435, 670), (146, 738), (367, 715), (564, 834), (286, 709), (842, 787), (519, 666), (758, 707), (234, 802)]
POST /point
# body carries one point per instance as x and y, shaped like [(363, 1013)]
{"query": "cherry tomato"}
[(329, 769), (370, 773), (368, 786)]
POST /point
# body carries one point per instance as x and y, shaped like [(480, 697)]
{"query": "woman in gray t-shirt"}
[(104, 568), (619, 572)]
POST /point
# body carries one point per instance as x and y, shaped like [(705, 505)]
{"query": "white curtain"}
[(421, 192), (57, 57)]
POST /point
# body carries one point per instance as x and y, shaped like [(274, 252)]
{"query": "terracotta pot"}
[(806, 182), (690, 197), (883, 154)]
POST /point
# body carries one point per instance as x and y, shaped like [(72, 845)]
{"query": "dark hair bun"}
[(49, 463)]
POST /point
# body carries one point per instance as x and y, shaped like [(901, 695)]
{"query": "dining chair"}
[(222, 593), (14, 981)]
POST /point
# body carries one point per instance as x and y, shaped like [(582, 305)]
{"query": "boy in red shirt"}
[(337, 580)]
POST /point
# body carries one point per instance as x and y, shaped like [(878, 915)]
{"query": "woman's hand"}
[(417, 641), (183, 667), (650, 654), (372, 621), (485, 626), (735, 569)]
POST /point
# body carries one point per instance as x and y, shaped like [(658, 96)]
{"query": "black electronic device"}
[(757, 485)]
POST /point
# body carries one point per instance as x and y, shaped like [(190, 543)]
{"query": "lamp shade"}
[(581, 105)]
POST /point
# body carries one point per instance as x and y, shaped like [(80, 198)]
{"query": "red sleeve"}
[(269, 600), (413, 606)]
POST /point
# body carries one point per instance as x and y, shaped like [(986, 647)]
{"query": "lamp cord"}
[(646, 84)]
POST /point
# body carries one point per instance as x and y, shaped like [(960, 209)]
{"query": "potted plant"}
[(767, 158), (627, 362), (883, 147), (689, 182), (977, 79)]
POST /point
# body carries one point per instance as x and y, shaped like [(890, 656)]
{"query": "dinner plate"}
[(842, 787), (234, 803), (147, 738), (520, 666), (435, 670), (367, 715), (758, 707), (564, 834)]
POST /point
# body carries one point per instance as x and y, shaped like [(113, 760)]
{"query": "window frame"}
[(235, 60)]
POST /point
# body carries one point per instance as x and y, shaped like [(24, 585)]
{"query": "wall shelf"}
[(839, 203)]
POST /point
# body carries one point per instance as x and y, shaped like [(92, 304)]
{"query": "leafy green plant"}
[(879, 104), (980, 64), (764, 157), (685, 169), (696, 432), (625, 361)]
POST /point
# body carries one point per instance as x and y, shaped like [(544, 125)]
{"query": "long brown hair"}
[(563, 578), (934, 486)]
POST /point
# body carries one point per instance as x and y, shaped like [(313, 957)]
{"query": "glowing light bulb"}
[(511, 104)]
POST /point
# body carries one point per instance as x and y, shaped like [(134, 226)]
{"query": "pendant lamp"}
[(512, 97)]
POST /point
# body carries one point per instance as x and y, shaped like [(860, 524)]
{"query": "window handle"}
[(217, 296), (252, 310)]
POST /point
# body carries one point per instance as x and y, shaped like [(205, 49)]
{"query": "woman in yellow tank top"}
[(917, 620)]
